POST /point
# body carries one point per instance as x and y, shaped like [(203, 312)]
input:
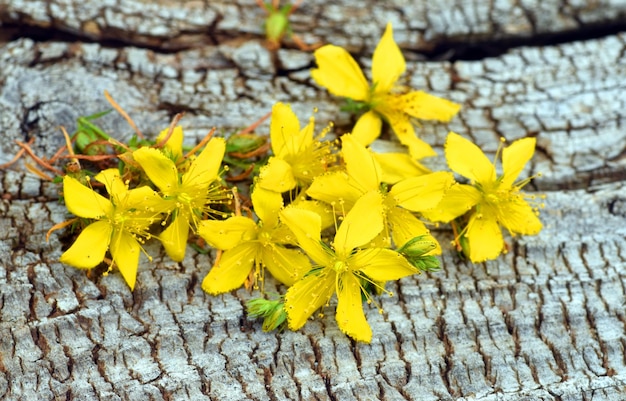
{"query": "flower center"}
[(265, 237), (118, 220), (311, 162), (184, 197), (340, 266), (493, 198)]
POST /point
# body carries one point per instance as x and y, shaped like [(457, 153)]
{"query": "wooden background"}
[(544, 322)]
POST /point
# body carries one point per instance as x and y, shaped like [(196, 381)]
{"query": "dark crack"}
[(480, 49)]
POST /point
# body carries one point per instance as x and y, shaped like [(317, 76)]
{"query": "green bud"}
[(425, 263), (418, 246), (415, 253), (277, 23), (272, 312)]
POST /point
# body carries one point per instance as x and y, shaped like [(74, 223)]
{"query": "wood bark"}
[(421, 25), (544, 322)]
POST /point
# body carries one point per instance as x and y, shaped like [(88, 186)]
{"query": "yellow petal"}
[(112, 182), (387, 63), (232, 270), (402, 127), (125, 251), (285, 265), (425, 106), (205, 168), (83, 201), (277, 176), (381, 264), (405, 226), (514, 158), (362, 168), (361, 225), (226, 234), (518, 217), (321, 208), (335, 189), (174, 144), (457, 201), (339, 73), (418, 149), (350, 316), (266, 205), (367, 128), (146, 201), (382, 240), (89, 248), (305, 137), (484, 236), (161, 170), (174, 237), (308, 295), (468, 160), (398, 166), (307, 226), (281, 234), (423, 192), (285, 131)]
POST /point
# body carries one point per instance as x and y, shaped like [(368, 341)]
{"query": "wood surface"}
[(544, 322)]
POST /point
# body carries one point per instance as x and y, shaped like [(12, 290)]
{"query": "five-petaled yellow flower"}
[(491, 200), (122, 226), (189, 194), (298, 156), (339, 73), (344, 268), (249, 245), (364, 174)]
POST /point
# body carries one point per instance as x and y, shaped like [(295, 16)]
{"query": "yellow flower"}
[(249, 245), (491, 201), (189, 194), (339, 73), (345, 268), (298, 156), (123, 223), (363, 174)]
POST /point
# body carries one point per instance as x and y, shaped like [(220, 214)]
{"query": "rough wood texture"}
[(420, 25), (544, 322)]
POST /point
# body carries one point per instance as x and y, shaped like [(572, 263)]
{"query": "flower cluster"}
[(325, 217), (174, 195)]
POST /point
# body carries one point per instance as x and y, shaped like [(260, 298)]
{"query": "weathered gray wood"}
[(544, 322), (419, 25)]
